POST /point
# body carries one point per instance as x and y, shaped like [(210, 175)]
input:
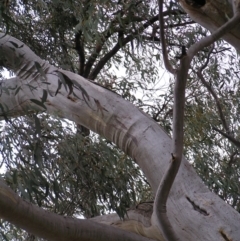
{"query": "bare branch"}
[(85, 69), (55, 227), (115, 49), (207, 60), (151, 38), (109, 32), (228, 136), (215, 36), (99, 45), (178, 121), (235, 6), (211, 91), (80, 49), (109, 55), (137, 136), (163, 42), (65, 50), (180, 24), (169, 176), (121, 42)]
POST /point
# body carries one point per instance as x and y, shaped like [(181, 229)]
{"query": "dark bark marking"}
[(196, 3), (224, 235), (197, 208)]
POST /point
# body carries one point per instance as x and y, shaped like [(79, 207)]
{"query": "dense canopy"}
[(112, 67)]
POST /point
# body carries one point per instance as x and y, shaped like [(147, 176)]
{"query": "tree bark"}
[(194, 212), (55, 227), (213, 15)]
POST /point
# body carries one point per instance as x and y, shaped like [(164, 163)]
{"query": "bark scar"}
[(224, 235), (197, 208)]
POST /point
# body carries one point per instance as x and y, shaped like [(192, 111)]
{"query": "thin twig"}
[(109, 32), (232, 158), (121, 42), (79, 46), (228, 136), (163, 41), (212, 92)]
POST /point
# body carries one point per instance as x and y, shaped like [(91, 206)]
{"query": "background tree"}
[(116, 44)]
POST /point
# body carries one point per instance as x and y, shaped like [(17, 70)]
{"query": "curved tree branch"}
[(40, 222), (109, 55), (225, 28), (121, 42), (109, 32), (93, 57), (175, 162), (129, 128), (211, 91), (163, 41), (160, 213)]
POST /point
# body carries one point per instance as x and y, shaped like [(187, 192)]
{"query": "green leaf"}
[(84, 92), (66, 82), (44, 97), (59, 87), (37, 102), (40, 70)]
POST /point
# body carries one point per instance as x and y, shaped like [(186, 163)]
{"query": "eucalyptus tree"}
[(84, 42)]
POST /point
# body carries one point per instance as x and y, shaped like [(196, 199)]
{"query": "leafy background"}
[(66, 169)]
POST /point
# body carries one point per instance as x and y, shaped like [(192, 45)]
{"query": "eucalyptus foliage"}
[(115, 44)]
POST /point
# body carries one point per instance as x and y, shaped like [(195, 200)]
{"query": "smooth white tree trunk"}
[(194, 211), (213, 15)]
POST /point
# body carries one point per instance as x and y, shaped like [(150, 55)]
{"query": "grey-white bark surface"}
[(213, 15), (55, 227), (195, 212)]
